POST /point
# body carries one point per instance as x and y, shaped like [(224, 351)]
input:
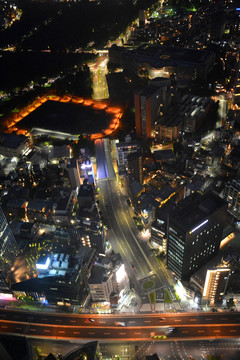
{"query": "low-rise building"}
[(62, 278), (168, 127), (211, 282), (39, 210), (62, 207), (12, 145), (108, 280)]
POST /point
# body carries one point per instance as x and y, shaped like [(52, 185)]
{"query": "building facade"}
[(215, 284), (195, 231), (231, 194), (134, 167), (9, 250), (148, 103), (123, 150)]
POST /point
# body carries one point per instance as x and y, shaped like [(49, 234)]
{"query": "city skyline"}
[(120, 222)]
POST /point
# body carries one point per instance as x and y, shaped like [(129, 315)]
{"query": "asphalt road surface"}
[(121, 327)]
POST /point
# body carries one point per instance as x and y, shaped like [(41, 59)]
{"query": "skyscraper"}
[(8, 251), (148, 103), (195, 230), (134, 167), (231, 194)]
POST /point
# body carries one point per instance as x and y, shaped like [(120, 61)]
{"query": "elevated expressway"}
[(141, 327)]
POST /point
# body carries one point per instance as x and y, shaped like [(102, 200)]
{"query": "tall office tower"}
[(231, 194), (148, 103), (142, 18), (195, 229), (134, 167), (8, 251), (215, 284), (217, 25), (74, 174)]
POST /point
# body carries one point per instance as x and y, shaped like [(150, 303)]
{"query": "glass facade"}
[(175, 251), (8, 251)]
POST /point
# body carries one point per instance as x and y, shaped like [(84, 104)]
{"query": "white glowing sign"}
[(4, 296), (86, 166), (197, 227), (44, 266), (120, 274)]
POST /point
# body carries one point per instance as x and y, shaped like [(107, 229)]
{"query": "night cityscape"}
[(119, 180)]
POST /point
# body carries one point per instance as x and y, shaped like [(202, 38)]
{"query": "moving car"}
[(119, 323), (89, 320)]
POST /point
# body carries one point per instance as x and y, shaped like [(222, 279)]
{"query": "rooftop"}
[(163, 55), (11, 141), (195, 209)]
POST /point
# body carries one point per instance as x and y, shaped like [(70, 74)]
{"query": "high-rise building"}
[(8, 251), (74, 174), (123, 150), (195, 229), (217, 24), (148, 103), (215, 284), (231, 194), (142, 18), (134, 167)]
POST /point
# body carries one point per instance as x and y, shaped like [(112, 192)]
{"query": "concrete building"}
[(62, 207), (39, 210), (93, 239), (108, 280), (62, 278), (231, 194), (58, 152), (8, 249), (12, 145), (215, 285), (134, 167), (164, 156), (159, 235), (168, 128), (123, 150), (211, 280), (187, 64), (148, 103), (74, 174), (194, 109), (217, 24), (195, 231)]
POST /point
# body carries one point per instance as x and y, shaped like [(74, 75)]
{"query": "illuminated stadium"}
[(67, 114)]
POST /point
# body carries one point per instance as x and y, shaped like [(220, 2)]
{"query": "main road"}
[(124, 236), (120, 327)]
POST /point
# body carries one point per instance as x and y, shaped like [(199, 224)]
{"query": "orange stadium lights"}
[(65, 99), (100, 106), (88, 102), (114, 124), (77, 100)]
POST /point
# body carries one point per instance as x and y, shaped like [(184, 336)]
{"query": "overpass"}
[(122, 327)]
